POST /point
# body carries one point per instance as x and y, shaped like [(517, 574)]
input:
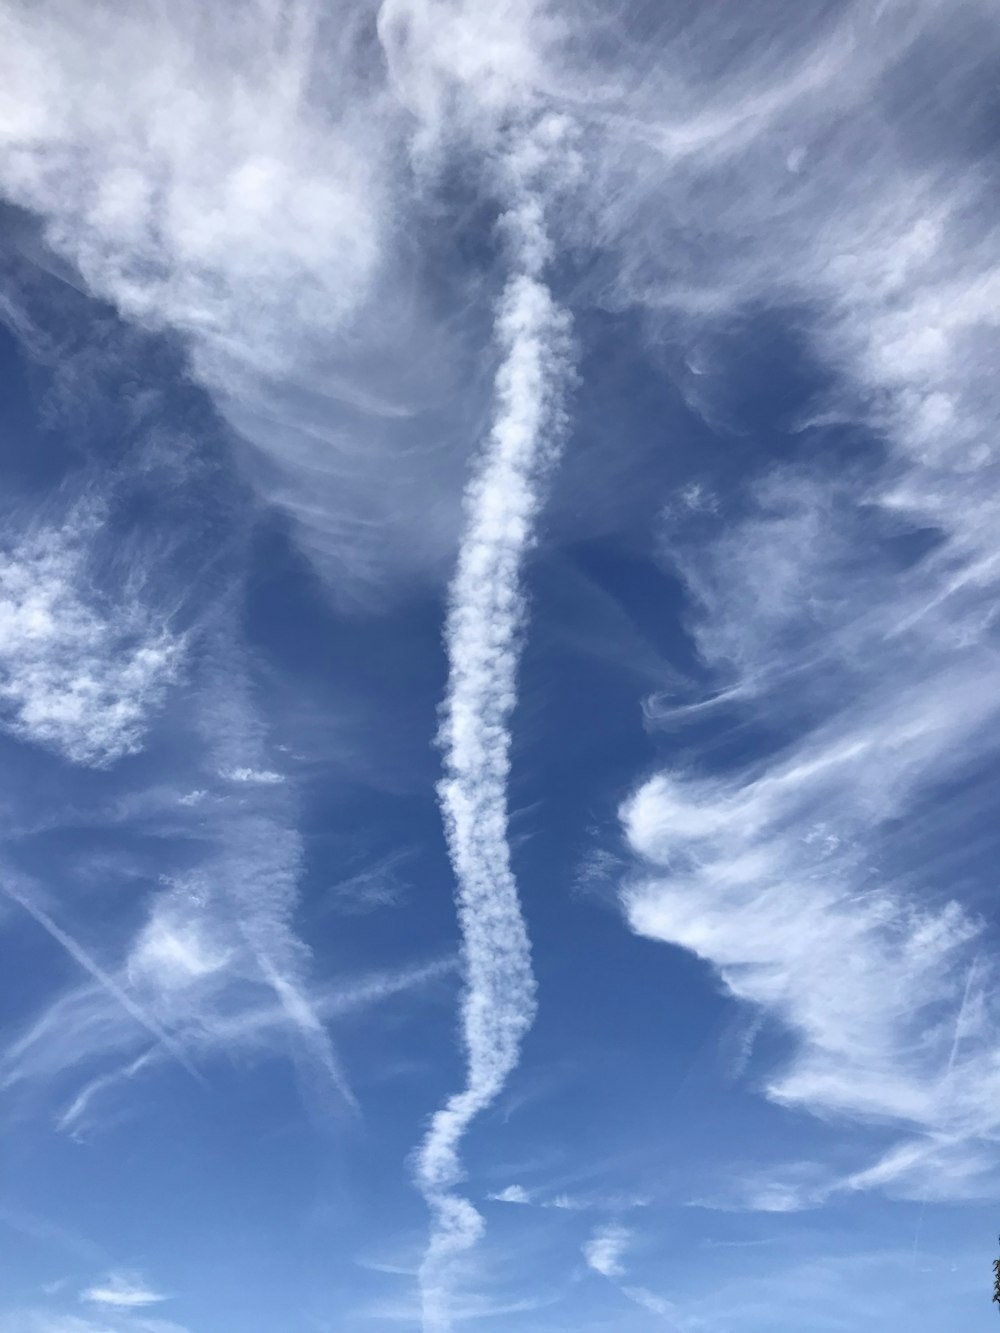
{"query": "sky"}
[(499, 666)]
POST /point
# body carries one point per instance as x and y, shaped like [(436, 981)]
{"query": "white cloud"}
[(605, 1250), (192, 797), (512, 1194), (772, 879), (261, 777), (231, 208), (254, 200), (122, 1291), (484, 620), (226, 199), (777, 873), (80, 672), (816, 877), (226, 928), (173, 949), (109, 990), (581, 1203)]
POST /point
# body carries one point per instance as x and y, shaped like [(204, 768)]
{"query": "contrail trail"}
[(80, 956), (483, 628)]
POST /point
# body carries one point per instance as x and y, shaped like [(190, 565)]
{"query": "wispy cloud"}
[(605, 1253), (229, 924), (377, 884), (81, 669), (261, 777), (512, 1194), (215, 963), (266, 197), (261, 226), (208, 1017), (110, 1321), (649, 1300), (566, 1202), (852, 615), (107, 983), (122, 1291)]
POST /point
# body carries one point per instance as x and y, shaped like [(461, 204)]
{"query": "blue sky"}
[(499, 672)]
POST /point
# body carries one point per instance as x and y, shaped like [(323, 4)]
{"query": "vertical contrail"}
[(484, 622)]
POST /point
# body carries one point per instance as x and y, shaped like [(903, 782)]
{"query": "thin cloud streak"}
[(854, 615), (104, 980), (232, 922), (484, 623), (122, 1291), (215, 1016)]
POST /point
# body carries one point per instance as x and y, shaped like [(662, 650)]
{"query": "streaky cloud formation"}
[(605, 1252), (123, 1291), (792, 874), (107, 984), (249, 203), (224, 1019)]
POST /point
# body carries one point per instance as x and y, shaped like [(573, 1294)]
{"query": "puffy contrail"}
[(483, 628)]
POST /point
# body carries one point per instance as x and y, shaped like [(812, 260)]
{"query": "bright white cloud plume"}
[(81, 670)]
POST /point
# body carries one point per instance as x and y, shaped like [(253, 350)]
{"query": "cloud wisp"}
[(855, 616), (108, 985), (79, 673), (484, 624), (122, 1291), (249, 204), (212, 1016), (215, 964)]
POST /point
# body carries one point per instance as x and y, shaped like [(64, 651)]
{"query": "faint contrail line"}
[(79, 955), (485, 618)]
